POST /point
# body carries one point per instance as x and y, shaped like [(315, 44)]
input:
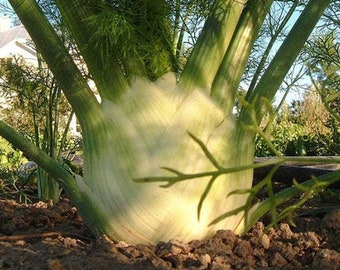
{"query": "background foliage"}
[(303, 128)]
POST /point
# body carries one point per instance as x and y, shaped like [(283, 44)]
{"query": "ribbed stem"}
[(228, 77), (286, 55), (211, 46)]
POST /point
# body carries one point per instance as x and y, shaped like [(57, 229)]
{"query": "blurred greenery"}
[(303, 128)]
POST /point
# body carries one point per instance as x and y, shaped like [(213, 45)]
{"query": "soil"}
[(54, 237)]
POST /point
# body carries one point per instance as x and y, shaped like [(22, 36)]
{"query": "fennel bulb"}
[(145, 130)]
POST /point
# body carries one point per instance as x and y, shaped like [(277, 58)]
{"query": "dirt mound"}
[(39, 236)]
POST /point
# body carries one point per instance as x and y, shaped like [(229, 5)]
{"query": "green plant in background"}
[(32, 93), (306, 128), (292, 132), (10, 162), (10, 158), (322, 57), (323, 62), (154, 115)]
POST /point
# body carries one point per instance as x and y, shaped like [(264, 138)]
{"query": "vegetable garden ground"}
[(42, 236)]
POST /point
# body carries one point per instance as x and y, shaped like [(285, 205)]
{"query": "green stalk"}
[(286, 55), (64, 134), (179, 39), (211, 46), (270, 46), (227, 80), (176, 26)]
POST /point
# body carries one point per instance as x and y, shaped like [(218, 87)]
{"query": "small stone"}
[(121, 244), (20, 243), (70, 242), (258, 229), (205, 260), (265, 241), (286, 231)]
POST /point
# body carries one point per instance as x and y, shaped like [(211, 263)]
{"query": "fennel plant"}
[(156, 119)]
